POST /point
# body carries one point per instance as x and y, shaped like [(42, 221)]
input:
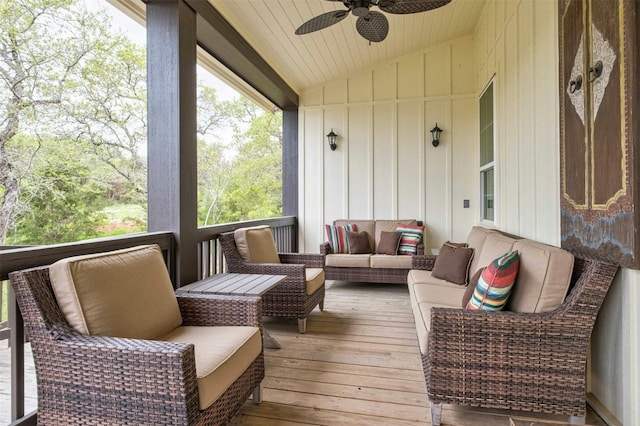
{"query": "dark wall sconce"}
[(435, 135), (332, 140)]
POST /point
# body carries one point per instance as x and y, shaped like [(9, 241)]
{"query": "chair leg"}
[(302, 325), (436, 414), (576, 420), (257, 394), (321, 305)]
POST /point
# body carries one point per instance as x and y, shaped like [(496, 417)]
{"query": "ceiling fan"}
[(371, 25)]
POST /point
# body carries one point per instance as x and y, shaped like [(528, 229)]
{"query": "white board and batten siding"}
[(385, 166)]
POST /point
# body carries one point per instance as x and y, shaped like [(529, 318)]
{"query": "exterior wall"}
[(385, 166), (615, 350), (517, 41)]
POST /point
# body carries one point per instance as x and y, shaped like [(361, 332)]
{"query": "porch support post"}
[(172, 155), (290, 165)]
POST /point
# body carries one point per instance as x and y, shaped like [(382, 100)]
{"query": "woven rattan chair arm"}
[(108, 369), (325, 248), (216, 310), (424, 262), (460, 330), (310, 260), (144, 348)]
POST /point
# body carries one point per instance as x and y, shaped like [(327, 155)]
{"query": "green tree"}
[(73, 130), (65, 190), (239, 175), (255, 187), (65, 75)]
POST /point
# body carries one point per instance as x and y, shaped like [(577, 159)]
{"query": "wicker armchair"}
[(516, 361), (91, 380), (289, 298)]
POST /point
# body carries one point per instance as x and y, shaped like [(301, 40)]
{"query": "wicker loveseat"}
[(200, 372), (532, 355), (372, 267)]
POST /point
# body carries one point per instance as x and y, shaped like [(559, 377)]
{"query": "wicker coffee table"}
[(238, 285)]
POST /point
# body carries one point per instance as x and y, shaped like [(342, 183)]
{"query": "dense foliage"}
[(73, 133)]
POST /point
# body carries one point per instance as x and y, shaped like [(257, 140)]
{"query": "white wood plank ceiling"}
[(335, 52), (310, 60)]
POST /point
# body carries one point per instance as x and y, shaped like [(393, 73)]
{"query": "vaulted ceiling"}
[(309, 60)]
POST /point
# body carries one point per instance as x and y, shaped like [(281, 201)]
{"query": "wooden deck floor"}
[(358, 364)]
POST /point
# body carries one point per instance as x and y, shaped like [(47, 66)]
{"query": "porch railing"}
[(210, 261)]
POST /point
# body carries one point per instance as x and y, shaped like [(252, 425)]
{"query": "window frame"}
[(483, 169)]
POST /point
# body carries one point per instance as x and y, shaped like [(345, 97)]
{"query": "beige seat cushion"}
[(347, 260), (422, 317), (256, 244), (392, 262), (222, 355), (435, 290), (543, 279), (426, 292), (123, 293), (315, 279)]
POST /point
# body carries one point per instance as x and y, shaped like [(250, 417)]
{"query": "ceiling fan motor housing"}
[(360, 7)]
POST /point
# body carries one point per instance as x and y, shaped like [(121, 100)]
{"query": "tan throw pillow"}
[(471, 287), (256, 244), (358, 242), (389, 242), (452, 263), (123, 293)]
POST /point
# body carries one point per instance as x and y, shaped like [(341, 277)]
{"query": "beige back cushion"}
[(475, 240), (123, 293), (543, 278), (256, 244), (363, 225), (495, 245), (390, 226)]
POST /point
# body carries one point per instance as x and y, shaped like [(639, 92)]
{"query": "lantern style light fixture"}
[(332, 140), (435, 135)]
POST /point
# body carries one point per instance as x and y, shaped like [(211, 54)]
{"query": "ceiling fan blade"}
[(374, 27), (402, 7), (322, 21)]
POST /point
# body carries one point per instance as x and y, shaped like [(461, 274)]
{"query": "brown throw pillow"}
[(471, 287), (449, 243), (358, 242), (452, 263), (389, 242)]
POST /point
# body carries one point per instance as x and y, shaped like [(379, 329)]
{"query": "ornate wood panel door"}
[(598, 129)]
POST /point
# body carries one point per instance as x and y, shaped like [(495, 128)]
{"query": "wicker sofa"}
[(373, 267), (532, 355)]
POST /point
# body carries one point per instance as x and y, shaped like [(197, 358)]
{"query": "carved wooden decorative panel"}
[(598, 129)]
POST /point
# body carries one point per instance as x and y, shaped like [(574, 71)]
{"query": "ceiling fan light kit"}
[(371, 24)]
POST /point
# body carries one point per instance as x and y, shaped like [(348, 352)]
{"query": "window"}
[(487, 164)]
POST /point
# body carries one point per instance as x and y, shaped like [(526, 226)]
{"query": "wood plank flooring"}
[(358, 364)]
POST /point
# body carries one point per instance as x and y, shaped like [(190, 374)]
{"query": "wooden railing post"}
[(16, 341)]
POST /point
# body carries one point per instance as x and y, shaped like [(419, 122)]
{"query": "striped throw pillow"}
[(495, 283), (411, 237), (337, 235)]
